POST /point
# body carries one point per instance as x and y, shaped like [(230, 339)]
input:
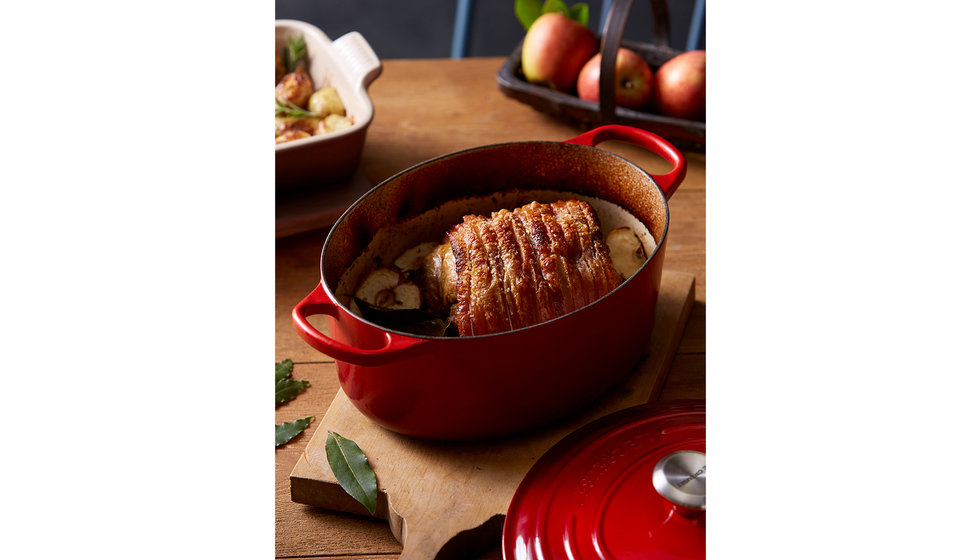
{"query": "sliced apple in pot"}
[(386, 287), (412, 258), (625, 251), (407, 296)]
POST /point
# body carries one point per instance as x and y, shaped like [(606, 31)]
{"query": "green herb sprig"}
[(290, 109), (294, 52)]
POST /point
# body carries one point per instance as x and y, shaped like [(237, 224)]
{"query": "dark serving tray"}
[(685, 134)]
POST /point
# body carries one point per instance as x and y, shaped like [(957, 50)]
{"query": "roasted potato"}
[(307, 125), (295, 87), (333, 123), (291, 135), (326, 101)]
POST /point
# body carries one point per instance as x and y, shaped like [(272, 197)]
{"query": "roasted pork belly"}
[(519, 268)]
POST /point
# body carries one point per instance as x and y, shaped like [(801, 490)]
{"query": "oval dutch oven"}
[(452, 388)]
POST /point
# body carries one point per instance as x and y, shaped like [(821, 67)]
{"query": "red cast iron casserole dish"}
[(455, 388)]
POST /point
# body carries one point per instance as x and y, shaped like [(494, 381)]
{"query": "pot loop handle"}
[(668, 182), (317, 303)]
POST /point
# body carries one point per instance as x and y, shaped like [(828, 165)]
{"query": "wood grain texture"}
[(302, 210), (426, 108), (449, 499)]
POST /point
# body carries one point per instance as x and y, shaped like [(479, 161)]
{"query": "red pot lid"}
[(627, 486)]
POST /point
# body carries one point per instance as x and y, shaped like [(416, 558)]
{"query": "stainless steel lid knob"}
[(680, 478)]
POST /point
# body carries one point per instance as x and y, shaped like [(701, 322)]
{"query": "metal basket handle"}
[(612, 38)]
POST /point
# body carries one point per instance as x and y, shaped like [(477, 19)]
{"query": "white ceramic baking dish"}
[(349, 64)]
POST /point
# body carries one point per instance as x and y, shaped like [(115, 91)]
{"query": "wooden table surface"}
[(425, 108)]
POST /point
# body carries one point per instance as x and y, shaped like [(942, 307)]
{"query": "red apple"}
[(555, 49), (634, 79), (679, 86)]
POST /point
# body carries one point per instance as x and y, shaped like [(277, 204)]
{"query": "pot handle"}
[(317, 303), (668, 182)]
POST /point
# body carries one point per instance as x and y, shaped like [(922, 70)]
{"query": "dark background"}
[(424, 28)]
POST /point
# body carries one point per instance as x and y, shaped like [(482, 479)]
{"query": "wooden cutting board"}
[(449, 499)]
